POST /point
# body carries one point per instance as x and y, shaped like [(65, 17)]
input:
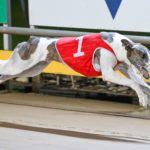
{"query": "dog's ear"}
[(125, 43), (128, 46)]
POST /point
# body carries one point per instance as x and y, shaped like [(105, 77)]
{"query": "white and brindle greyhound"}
[(91, 55)]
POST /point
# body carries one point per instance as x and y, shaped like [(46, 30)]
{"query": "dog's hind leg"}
[(39, 65), (31, 72), (107, 63)]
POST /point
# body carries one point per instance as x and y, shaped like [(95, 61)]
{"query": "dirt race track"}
[(34, 121)]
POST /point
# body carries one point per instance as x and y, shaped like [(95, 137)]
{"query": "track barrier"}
[(60, 33)]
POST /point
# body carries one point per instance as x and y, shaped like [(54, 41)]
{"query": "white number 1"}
[(79, 53)]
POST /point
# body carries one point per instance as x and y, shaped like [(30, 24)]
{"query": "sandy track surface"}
[(29, 140), (74, 115), (14, 139), (75, 104)]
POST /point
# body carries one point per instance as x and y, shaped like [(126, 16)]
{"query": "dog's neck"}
[(118, 48)]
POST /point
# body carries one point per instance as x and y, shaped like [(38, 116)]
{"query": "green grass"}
[(18, 20)]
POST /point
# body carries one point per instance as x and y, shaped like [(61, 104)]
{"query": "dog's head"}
[(139, 56)]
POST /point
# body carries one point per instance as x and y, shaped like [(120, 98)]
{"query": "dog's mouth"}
[(144, 72)]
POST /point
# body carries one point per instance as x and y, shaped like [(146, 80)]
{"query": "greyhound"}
[(91, 55)]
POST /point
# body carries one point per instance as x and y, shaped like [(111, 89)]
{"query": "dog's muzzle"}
[(144, 72)]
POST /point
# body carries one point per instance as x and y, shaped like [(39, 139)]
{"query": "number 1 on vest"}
[(79, 53)]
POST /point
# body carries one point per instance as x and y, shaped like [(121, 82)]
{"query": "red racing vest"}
[(78, 52)]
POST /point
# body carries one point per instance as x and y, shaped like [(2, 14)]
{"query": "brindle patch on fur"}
[(128, 45), (107, 36), (97, 57), (52, 53), (132, 54), (27, 50)]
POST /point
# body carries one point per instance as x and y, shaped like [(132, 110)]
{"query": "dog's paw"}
[(143, 100), (148, 97)]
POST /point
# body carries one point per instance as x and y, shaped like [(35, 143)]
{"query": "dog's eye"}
[(144, 56)]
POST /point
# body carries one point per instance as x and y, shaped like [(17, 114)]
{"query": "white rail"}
[(60, 33)]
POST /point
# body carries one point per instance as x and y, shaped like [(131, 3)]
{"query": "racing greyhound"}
[(91, 55)]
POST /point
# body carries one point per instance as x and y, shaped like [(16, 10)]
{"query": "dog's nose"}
[(145, 73), (148, 67)]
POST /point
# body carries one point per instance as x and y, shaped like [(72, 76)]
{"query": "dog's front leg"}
[(107, 63)]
